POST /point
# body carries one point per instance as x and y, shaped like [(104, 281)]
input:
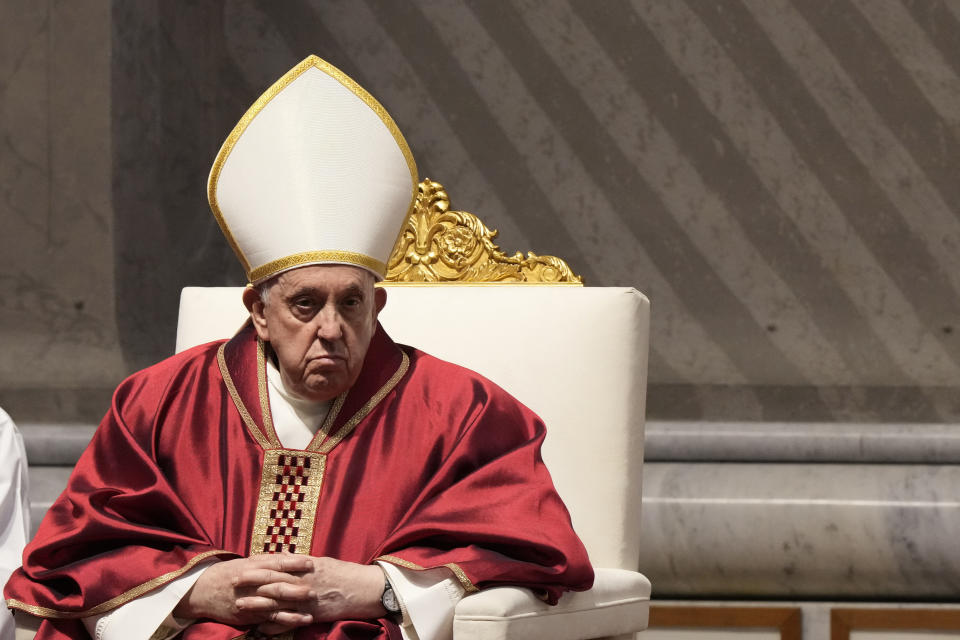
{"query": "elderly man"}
[(309, 477)]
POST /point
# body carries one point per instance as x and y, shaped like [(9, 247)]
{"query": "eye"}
[(302, 305)]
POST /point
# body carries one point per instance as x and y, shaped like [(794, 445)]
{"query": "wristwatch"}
[(389, 599)]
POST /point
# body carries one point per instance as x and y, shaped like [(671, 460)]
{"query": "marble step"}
[(814, 442), (51, 444), (820, 531)]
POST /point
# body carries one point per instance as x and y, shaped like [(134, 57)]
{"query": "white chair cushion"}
[(618, 603)]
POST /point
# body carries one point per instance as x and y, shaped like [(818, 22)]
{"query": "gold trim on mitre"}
[(262, 272), (316, 257)]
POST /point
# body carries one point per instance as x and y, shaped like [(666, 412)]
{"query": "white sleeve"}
[(149, 617), (14, 510), (427, 600)]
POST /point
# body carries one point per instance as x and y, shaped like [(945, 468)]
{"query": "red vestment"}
[(422, 463)]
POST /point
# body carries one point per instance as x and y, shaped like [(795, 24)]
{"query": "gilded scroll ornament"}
[(440, 245)]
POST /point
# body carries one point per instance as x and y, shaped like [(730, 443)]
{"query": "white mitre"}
[(316, 172)]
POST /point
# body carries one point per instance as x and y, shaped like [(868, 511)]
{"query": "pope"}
[(308, 478)]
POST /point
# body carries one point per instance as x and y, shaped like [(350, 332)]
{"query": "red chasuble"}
[(421, 463)]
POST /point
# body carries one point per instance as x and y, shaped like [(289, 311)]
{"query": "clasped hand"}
[(278, 592)]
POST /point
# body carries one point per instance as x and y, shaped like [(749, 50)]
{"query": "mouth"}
[(327, 360)]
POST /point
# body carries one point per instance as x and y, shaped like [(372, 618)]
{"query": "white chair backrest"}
[(577, 356)]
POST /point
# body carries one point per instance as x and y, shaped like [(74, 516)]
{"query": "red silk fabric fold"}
[(445, 470)]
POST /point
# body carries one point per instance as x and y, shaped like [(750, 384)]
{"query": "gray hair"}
[(264, 289)]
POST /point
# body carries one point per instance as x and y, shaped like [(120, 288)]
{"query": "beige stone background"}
[(778, 176), (58, 334)]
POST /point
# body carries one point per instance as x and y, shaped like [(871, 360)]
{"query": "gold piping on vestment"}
[(324, 431), (163, 632), (365, 410), (237, 402), (258, 106), (400, 562), (265, 395), (307, 507), (316, 257), (123, 598), (465, 582)]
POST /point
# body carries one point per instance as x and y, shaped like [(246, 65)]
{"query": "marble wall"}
[(778, 176), (58, 335)]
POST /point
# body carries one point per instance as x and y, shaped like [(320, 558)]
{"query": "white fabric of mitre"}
[(317, 169)]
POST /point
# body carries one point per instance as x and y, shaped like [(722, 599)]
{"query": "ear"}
[(253, 303), (379, 300)]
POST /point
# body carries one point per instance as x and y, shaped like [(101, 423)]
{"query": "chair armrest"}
[(618, 603)]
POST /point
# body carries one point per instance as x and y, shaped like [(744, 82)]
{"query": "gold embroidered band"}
[(237, 402), (316, 257), (264, 394), (289, 493)]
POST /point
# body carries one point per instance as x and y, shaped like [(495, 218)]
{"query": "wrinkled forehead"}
[(324, 277)]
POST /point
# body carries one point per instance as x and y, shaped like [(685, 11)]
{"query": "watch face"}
[(389, 600)]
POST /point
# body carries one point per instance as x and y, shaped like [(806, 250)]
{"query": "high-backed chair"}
[(575, 355)]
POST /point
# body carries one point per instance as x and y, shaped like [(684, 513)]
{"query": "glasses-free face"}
[(319, 320)]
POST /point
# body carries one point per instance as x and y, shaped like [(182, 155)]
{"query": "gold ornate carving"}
[(440, 245)]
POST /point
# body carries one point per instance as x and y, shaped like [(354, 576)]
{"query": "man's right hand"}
[(215, 593)]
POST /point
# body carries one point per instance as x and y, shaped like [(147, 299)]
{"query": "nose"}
[(329, 324)]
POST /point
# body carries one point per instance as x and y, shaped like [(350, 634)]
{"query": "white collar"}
[(295, 418)]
